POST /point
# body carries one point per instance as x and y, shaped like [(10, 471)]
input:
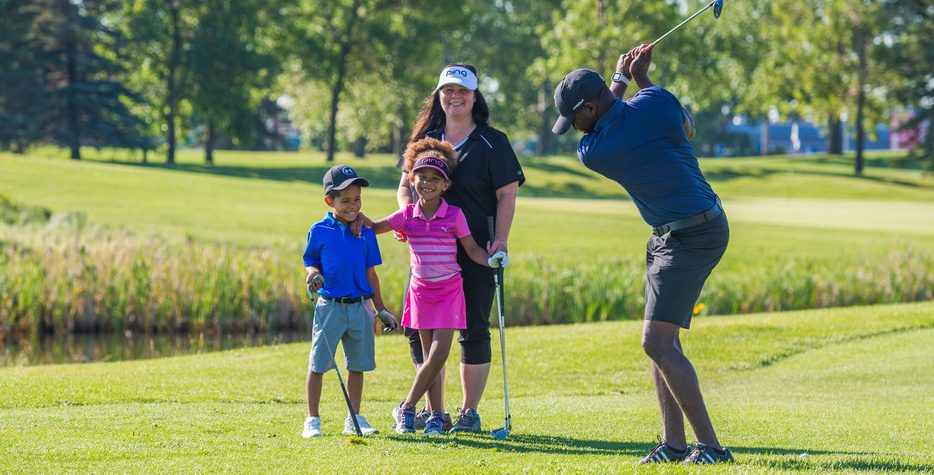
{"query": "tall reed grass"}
[(63, 277)]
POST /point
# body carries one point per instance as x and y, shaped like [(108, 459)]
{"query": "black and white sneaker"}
[(707, 455), (663, 453)]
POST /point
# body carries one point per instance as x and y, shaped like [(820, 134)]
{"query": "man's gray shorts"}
[(350, 323), (677, 264)]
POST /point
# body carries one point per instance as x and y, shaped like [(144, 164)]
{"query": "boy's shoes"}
[(435, 424), (422, 417), (312, 427), (467, 421), (705, 455), (663, 453), (405, 419), (365, 426)]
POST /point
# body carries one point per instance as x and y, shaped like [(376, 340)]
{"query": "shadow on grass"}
[(789, 458)]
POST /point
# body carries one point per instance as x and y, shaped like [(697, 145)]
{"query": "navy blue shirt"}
[(641, 144), (341, 257)]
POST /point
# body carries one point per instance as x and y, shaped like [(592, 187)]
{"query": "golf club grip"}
[(491, 228)]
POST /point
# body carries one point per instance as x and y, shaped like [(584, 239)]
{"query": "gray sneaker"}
[(422, 417), (435, 424), (467, 421)]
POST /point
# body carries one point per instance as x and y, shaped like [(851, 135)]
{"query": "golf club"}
[(717, 8), (353, 415), (502, 432)]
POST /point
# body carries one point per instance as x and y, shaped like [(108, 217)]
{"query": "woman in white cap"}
[(485, 183)]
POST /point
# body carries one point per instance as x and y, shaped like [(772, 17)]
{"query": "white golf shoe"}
[(312, 427), (365, 426)]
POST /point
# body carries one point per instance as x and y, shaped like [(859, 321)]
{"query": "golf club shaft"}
[(500, 294), (679, 25), (353, 414)]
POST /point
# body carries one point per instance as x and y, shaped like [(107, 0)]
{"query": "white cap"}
[(458, 75)]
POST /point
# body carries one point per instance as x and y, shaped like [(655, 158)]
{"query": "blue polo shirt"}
[(641, 144), (341, 257)]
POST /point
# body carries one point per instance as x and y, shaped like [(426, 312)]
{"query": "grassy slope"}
[(263, 199), (850, 387)]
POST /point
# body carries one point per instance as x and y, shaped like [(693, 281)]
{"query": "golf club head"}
[(717, 8), (500, 434)]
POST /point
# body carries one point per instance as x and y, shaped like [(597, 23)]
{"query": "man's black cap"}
[(578, 87), (340, 177)]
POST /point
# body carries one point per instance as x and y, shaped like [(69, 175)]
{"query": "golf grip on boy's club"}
[(353, 416), (503, 432), (679, 25)]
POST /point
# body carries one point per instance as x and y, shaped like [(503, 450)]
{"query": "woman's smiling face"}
[(457, 100)]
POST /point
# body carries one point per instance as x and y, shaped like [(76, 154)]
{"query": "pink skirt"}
[(431, 305)]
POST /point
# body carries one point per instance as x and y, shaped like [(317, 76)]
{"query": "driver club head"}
[(717, 8), (500, 434)]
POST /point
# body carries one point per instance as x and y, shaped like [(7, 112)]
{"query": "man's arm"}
[(623, 76), (640, 66)]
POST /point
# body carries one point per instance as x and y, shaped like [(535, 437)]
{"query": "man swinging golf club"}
[(643, 145)]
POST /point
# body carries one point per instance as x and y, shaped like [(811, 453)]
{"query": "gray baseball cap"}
[(578, 87), (341, 176)]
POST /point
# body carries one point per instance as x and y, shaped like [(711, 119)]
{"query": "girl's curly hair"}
[(443, 150)]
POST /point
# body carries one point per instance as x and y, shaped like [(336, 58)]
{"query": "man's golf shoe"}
[(467, 421), (365, 426), (663, 453), (312, 427), (707, 455), (405, 420)]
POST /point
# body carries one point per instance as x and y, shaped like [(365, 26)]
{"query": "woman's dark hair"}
[(432, 115)]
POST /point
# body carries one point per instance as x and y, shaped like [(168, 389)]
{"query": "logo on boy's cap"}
[(578, 87), (340, 177), (458, 75), (433, 162)]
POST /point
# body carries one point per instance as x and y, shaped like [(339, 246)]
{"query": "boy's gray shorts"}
[(677, 264), (350, 323)]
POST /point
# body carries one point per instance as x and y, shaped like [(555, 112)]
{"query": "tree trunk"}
[(332, 118), (835, 137), (71, 103), (338, 86), (860, 133), (545, 135), (861, 38), (764, 138), (172, 99), (209, 143)]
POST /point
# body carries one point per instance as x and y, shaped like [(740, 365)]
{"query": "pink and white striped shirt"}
[(433, 242)]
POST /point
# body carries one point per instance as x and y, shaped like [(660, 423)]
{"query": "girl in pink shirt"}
[(434, 303)]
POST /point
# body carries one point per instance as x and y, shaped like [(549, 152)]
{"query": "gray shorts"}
[(677, 264), (350, 323)]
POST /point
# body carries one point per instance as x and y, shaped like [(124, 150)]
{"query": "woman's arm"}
[(505, 211), (474, 251), (403, 193)]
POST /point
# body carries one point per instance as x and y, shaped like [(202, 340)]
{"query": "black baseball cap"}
[(341, 176), (578, 87)]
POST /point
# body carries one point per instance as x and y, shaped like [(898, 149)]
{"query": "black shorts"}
[(677, 264), (479, 292)]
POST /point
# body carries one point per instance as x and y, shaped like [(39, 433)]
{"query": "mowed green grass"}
[(840, 390), (794, 206)]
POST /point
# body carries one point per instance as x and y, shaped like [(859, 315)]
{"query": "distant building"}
[(801, 137)]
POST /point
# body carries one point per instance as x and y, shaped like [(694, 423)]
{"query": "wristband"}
[(620, 77)]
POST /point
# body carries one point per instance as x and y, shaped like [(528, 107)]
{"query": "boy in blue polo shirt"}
[(344, 311)]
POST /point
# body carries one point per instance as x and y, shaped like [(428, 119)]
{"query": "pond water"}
[(118, 347)]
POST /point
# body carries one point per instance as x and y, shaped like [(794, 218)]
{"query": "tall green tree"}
[(229, 67), (78, 58), (23, 92), (907, 49)]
